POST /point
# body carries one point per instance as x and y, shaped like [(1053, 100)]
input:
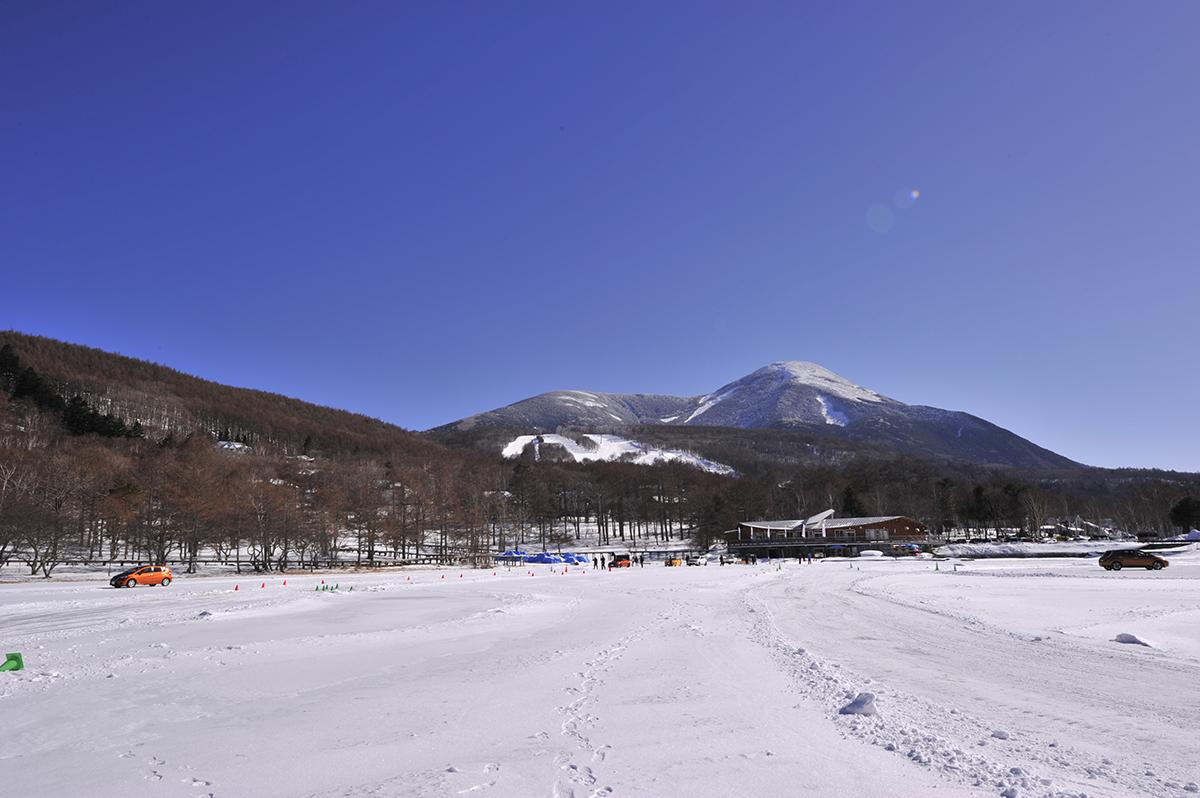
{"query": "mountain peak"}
[(816, 376)]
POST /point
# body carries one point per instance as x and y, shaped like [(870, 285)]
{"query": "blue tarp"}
[(544, 557), (513, 554)]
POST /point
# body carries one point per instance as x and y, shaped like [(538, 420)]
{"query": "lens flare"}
[(905, 198)]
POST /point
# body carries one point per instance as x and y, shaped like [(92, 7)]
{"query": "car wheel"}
[(1116, 566), (1108, 567), (131, 583), (166, 581), (1156, 567)]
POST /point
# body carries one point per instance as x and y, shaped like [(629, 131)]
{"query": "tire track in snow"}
[(945, 739)]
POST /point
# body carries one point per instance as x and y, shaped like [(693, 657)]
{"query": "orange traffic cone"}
[(443, 576), (285, 583), (460, 576), (235, 587), (264, 584)]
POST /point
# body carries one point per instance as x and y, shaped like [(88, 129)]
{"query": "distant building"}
[(827, 536)]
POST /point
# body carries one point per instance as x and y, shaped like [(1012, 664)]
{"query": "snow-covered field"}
[(1001, 678)]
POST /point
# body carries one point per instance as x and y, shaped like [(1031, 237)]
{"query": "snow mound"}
[(1125, 637), (1072, 549), (1000, 734), (863, 704)]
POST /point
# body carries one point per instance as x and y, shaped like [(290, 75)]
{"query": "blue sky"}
[(420, 212)]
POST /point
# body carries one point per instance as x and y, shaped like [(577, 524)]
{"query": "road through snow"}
[(658, 681)]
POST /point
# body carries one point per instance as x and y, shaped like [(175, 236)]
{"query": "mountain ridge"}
[(791, 394)]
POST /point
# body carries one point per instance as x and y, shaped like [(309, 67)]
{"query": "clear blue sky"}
[(420, 212)]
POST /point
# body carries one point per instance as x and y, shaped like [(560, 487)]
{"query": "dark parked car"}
[(1132, 558)]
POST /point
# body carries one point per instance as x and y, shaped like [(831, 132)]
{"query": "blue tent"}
[(544, 558), (513, 555)]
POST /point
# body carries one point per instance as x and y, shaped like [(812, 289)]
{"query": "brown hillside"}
[(165, 401)]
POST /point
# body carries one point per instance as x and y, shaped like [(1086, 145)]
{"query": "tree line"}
[(313, 486)]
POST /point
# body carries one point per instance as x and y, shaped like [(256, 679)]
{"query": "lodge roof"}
[(829, 523)]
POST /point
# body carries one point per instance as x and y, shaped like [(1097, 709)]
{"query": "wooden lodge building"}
[(825, 536)]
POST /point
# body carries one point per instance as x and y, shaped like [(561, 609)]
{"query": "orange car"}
[(146, 575)]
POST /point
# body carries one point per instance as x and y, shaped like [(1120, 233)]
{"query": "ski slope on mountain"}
[(610, 448), (1000, 678)]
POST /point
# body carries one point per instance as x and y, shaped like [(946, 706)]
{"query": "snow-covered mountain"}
[(784, 395)]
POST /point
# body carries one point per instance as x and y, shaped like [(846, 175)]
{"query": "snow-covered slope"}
[(609, 447), (785, 395)]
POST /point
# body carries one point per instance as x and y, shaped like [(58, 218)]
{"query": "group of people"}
[(603, 562)]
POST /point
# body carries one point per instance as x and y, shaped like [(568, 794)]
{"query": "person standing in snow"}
[(595, 563)]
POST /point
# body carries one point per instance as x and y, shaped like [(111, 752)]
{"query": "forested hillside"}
[(104, 457), (170, 401), (107, 457)]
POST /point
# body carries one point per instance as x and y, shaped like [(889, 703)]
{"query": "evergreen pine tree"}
[(851, 506), (78, 417), (10, 366), (1186, 514)]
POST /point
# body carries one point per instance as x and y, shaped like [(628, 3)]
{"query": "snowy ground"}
[(1000, 678)]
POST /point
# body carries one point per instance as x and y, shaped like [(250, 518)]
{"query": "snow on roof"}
[(772, 524), (831, 523), (835, 523)]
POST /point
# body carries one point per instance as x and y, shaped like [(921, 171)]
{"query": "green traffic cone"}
[(12, 662)]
